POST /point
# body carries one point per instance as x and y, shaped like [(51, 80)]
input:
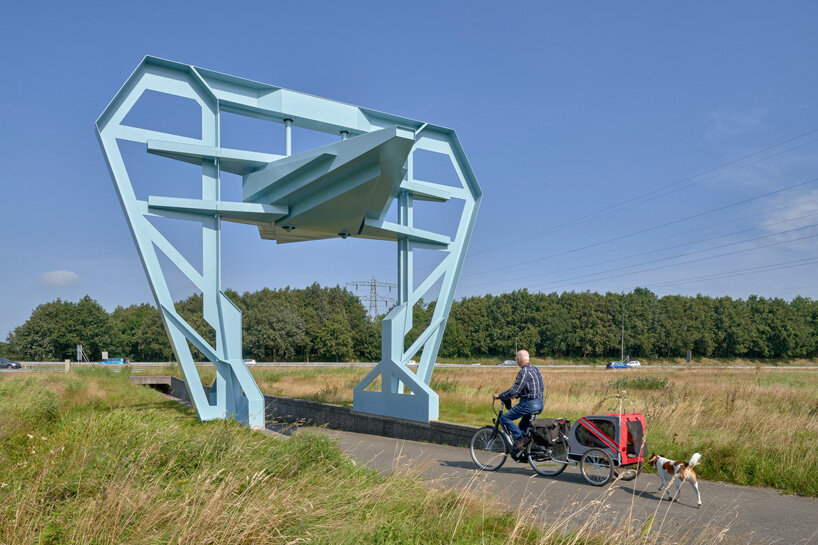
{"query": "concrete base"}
[(314, 413), (419, 406)]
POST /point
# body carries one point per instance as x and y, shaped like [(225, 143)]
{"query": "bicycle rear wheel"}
[(548, 461), (488, 450)]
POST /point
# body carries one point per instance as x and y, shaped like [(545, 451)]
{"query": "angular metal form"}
[(341, 190)]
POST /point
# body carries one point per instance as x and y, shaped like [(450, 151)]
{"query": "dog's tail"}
[(694, 460)]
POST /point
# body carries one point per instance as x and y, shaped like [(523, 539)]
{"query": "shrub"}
[(444, 385), (639, 383)]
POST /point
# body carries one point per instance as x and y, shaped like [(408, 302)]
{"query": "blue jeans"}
[(522, 409)]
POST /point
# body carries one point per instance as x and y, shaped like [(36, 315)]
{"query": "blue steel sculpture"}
[(340, 190)]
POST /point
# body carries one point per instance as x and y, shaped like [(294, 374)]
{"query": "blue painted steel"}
[(341, 190)]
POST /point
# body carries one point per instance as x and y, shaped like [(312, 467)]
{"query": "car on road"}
[(622, 365), (250, 362), (8, 364), (114, 361), (508, 362)]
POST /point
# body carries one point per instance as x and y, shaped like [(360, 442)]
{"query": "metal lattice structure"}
[(341, 190), (374, 300)]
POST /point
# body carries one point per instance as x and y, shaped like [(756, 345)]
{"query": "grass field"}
[(753, 426), (650, 361), (87, 457)]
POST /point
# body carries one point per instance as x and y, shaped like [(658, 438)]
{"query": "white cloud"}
[(727, 124), (794, 217), (59, 279), (800, 209)]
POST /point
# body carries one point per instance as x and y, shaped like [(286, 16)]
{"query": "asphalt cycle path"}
[(729, 514)]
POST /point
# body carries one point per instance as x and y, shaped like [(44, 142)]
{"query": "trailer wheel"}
[(630, 473), (596, 467)]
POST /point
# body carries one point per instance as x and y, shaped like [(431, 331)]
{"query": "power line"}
[(691, 253), (618, 206), (704, 228), (660, 226), (680, 246), (374, 299), (666, 237), (741, 272), (620, 248), (558, 282)]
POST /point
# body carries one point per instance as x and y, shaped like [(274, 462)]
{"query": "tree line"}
[(315, 323), (588, 324), (330, 324)]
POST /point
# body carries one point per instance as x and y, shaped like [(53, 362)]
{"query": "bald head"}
[(522, 357)]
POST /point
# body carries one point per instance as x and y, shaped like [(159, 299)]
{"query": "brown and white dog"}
[(668, 469)]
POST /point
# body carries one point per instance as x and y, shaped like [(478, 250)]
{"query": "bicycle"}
[(491, 445), (603, 446)]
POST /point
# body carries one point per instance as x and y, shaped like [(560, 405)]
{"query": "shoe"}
[(521, 443)]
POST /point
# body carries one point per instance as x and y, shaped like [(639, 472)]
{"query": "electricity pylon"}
[(374, 299)]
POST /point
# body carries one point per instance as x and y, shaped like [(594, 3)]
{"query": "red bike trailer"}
[(609, 443)]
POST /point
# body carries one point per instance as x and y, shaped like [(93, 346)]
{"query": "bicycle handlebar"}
[(503, 403)]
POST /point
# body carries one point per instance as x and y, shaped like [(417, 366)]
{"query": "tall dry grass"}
[(654, 361), (90, 458), (753, 426)]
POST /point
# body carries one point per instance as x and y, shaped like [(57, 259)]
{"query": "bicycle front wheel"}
[(488, 450), (548, 461)]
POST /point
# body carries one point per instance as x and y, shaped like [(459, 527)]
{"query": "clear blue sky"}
[(564, 108)]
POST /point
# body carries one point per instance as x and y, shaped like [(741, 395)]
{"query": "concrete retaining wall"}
[(285, 409), (314, 413)]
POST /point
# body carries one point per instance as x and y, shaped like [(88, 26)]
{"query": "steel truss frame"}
[(292, 198)]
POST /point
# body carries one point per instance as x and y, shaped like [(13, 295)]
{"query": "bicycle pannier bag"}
[(545, 431)]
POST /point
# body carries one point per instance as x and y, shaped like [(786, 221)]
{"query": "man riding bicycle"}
[(529, 388)]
